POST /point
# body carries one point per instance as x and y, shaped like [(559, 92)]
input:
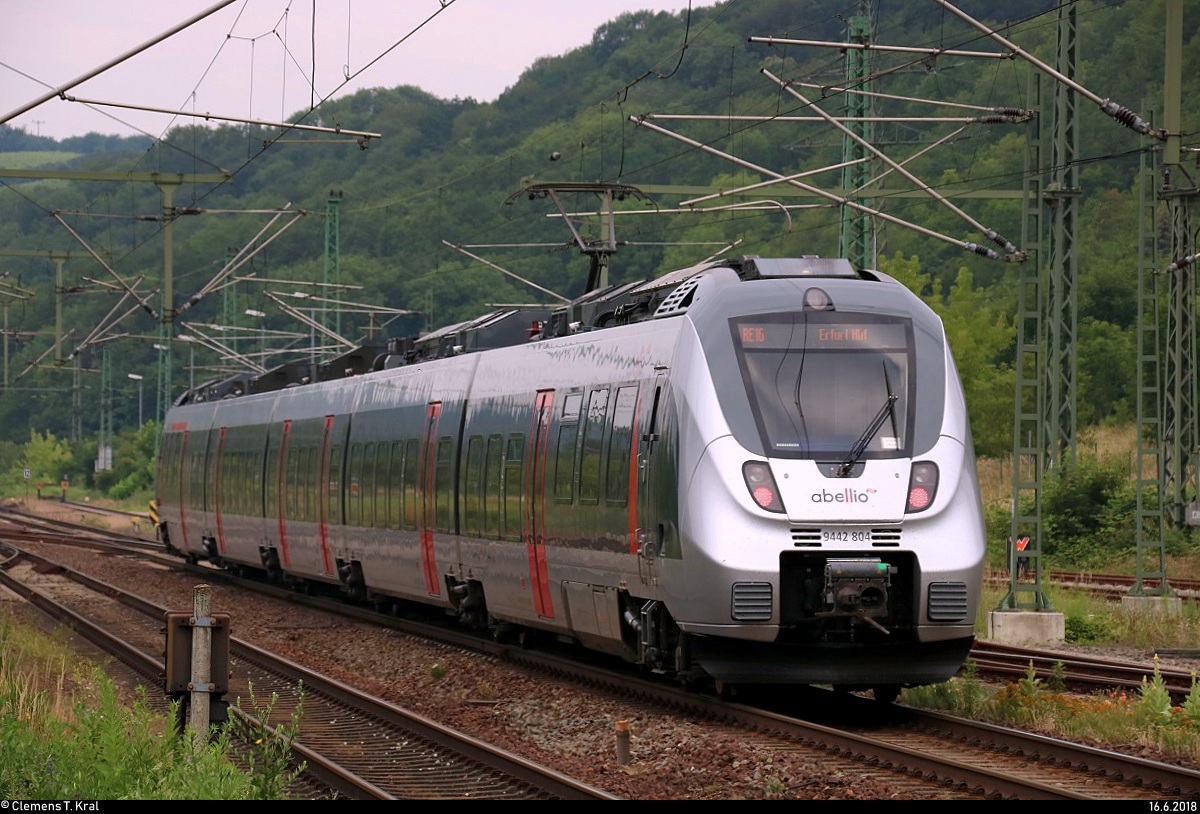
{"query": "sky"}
[(252, 59)]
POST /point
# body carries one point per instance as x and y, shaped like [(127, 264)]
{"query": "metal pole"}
[(137, 377)]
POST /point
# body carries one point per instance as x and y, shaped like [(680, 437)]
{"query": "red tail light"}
[(922, 487), (762, 487)]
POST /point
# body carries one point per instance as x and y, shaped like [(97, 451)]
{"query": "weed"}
[(1058, 677), (487, 692), (270, 754), (1154, 706)]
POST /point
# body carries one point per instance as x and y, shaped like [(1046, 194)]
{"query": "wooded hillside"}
[(448, 173)]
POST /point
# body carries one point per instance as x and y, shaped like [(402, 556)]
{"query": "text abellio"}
[(844, 496)]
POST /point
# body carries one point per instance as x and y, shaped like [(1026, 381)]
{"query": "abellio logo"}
[(844, 496)]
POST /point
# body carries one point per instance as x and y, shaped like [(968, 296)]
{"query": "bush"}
[(1088, 509), (1086, 629)]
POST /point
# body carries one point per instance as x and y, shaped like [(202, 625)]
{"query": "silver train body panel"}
[(636, 528)]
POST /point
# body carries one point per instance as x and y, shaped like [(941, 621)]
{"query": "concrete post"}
[(201, 662)]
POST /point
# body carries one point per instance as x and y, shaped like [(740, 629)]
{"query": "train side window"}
[(380, 491), (272, 495), (443, 484), (221, 489), (473, 488), (253, 483), (335, 484), (313, 478), (289, 483), (294, 480), (237, 483), (250, 497), (367, 486), (244, 493), (620, 445), (411, 463), (307, 482), (514, 472), (353, 497), (493, 460), (568, 435), (395, 485), (299, 482), (595, 424), (195, 460)]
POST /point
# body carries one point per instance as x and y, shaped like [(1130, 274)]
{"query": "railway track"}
[(352, 745), (914, 748), (1077, 673)]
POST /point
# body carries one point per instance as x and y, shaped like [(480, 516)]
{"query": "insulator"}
[(1001, 241), (982, 251), (1126, 117)]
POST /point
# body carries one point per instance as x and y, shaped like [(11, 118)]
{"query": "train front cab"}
[(797, 485)]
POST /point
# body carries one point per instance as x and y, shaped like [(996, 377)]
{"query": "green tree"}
[(47, 458), (980, 338), (132, 463)]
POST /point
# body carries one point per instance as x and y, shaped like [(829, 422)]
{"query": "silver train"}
[(753, 471)]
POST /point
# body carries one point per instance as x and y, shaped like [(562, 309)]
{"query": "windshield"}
[(828, 385)]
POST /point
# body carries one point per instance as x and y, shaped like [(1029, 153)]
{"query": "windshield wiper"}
[(860, 445)]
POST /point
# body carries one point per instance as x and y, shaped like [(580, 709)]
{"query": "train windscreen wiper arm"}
[(861, 444)]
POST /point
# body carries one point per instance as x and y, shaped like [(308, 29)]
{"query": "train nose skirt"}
[(735, 661)]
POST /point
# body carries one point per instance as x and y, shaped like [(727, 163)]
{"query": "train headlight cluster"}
[(922, 486), (761, 484)]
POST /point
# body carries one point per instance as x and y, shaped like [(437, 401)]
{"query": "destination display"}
[(850, 335)]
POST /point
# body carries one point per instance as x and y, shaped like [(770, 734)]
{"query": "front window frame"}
[(847, 364)]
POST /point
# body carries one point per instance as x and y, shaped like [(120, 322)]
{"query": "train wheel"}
[(886, 693), (503, 632)]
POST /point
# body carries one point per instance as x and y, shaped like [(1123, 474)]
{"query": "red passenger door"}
[(535, 504), (425, 497)]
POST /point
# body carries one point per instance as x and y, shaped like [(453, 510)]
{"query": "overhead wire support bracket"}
[(974, 248), (1009, 248), (1122, 114), (244, 255), (145, 305)]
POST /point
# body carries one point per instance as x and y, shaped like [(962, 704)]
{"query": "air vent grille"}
[(677, 301), (947, 601), (752, 601)]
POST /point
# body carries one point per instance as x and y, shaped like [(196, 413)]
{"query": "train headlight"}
[(922, 487), (761, 484), (816, 299)]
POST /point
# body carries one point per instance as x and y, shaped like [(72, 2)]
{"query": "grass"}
[(1120, 719), (68, 734)]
